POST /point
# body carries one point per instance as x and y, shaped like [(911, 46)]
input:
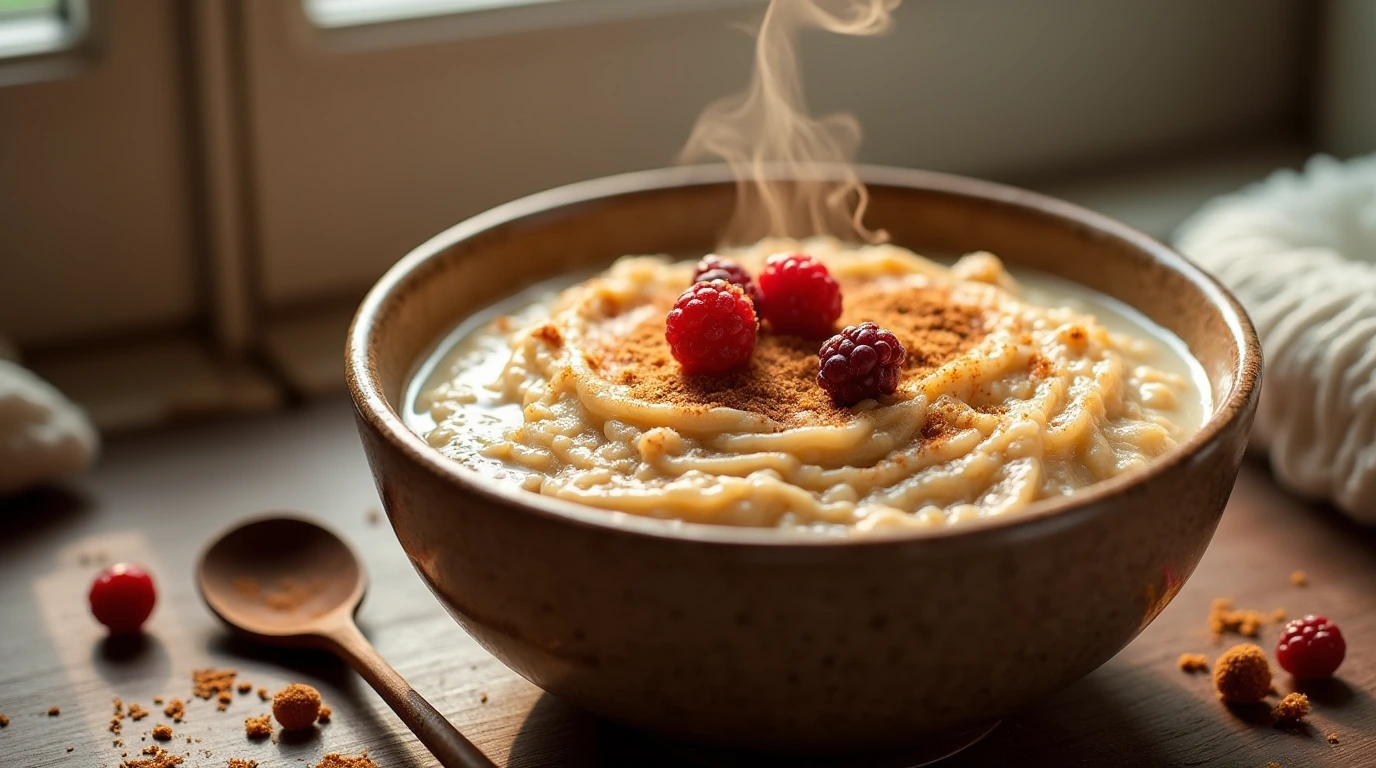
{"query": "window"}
[(347, 13), (39, 26)]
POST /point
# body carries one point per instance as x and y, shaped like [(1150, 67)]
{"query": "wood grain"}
[(156, 498)]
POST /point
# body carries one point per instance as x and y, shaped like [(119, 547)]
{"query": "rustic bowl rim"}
[(366, 391)]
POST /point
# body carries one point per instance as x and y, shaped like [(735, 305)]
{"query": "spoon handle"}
[(434, 731)]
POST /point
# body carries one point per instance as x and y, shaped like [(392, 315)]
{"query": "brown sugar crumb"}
[(1194, 662), (259, 727), (207, 683), (324, 716), (175, 709), (244, 686), (296, 706), (336, 760), (1278, 616), (157, 700), (1224, 618), (162, 732), (239, 762), (54, 711), (4, 721), (137, 713), (1242, 675), (482, 698), (157, 757), (1299, 579), (1292, 709), (781, 382), (1332, 738), (223, 699)]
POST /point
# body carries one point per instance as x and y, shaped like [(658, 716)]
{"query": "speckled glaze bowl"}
[(760, 638)]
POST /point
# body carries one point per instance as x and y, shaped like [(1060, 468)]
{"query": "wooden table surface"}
[(156, 498)]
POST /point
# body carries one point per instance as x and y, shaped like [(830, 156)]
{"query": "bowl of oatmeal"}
[(744, 557)]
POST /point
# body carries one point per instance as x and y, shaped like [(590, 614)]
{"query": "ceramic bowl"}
[(759, 638)]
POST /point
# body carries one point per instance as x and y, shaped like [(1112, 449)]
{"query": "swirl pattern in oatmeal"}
[(1001, 402)]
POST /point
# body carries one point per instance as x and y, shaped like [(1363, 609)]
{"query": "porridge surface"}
[(1010, 393)]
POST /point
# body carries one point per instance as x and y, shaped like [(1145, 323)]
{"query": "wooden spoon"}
[(288, 581)]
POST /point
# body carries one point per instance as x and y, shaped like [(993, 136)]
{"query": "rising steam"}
[(766, 134)]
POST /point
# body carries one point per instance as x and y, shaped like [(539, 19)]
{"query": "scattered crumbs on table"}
[(117, 743), (156, 757), (374, 517), (4, 721), (70, 748), (1299, 579), (258, 727), (1224, 618), (223, 699), (336, 760), (325, 713), (1292, 709), (175, 709), (1279, 616), (162, 732), (137, 713), (54, 711), (244, 686), (208, 683), (157, 700), (263, 694), (117, 718), (1194, 662), (482, 697), (296, 706), (239, 762), (1332, 738)]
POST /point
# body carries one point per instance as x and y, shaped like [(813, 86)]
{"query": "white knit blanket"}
[(1299, 251)]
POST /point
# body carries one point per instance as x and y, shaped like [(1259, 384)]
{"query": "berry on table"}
[(799, 295), (1311, 648), (711, 329), (716, 268), (859, 363), (122, 598)]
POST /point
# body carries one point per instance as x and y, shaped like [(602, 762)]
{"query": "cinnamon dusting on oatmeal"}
[(781, 382)]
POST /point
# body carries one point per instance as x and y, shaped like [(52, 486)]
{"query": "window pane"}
[(344, 13), (37, 26)]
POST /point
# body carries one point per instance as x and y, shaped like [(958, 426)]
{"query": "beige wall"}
[(360, 156), (95, 185)]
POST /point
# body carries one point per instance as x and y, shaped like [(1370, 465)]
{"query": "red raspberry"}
[(800, 295), (860, 363), (711, 328), (1311, 648), (716, 268), (122, 597)]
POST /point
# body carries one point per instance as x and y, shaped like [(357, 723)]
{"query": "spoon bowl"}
[(284, 580), (281, 578)]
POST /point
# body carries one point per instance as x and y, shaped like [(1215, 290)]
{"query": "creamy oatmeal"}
[(1012, 391)]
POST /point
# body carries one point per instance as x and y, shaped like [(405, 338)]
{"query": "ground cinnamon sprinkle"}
[(1194, 662), (259, 727), (336, 760), (137, 713), (162, 732), (1224, 618), (175, 709), (1292, 709), (781, 381), (239, 762)]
